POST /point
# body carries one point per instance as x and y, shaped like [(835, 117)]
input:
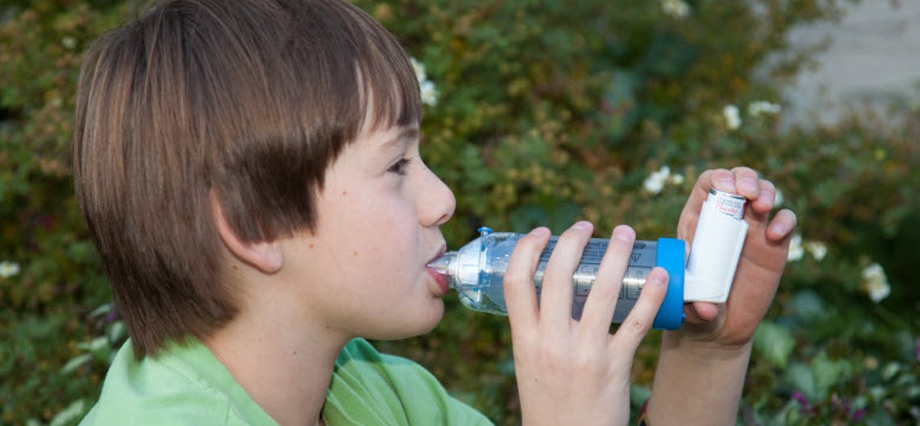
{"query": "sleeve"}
[(370, 388)]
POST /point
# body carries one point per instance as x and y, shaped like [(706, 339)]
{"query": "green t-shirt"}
[(187, 385)]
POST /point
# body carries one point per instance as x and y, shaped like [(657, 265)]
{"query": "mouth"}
[(442, 282)]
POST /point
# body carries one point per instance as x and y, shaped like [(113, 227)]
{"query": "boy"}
[(250, 173)]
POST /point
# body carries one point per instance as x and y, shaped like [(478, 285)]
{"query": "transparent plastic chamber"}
[(477, 269)]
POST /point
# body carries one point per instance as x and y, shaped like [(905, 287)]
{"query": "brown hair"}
[(249, 100)]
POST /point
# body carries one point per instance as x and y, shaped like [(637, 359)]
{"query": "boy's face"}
[(363, 270)]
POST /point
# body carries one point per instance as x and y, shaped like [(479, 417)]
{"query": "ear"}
[(265, 256)]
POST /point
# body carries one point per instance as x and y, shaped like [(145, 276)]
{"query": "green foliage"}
[(546, 111), (45, 304)]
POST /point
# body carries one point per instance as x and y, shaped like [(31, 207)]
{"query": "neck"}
[(284, 368)]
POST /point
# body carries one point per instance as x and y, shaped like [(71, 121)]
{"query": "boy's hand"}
[(575, 372), (759, 268), (701, 367)]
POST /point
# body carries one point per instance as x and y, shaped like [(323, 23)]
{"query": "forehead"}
[(388, 139), (369, 155)]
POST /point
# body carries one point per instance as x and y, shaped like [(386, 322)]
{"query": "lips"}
[(442, 282), (443, 285)]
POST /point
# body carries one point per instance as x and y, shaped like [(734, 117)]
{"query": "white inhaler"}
[(477, 270)]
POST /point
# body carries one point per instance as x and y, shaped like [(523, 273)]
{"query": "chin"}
[(416, 326), (432, 321)]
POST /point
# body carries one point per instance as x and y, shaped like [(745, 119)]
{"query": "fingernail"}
[(780, 228), (582, 225), (538, 231), (776, 229), (660, 279), (748, 185), (623, 233), (725, 183)]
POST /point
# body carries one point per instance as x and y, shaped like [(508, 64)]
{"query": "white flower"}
[(675, 8), (817, 249), (419, 69), (876, 282), (796, 252), (778, 199), (8, 269), (429, 93), (757, 108), (676, 179), (732, 117), (69, 42), (654, 183)]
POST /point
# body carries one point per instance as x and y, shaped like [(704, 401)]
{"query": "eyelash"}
[(400, 166)]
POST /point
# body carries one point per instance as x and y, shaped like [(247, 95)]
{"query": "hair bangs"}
[(390, 95)]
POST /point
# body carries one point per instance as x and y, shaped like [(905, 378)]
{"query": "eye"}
[(399, 167)]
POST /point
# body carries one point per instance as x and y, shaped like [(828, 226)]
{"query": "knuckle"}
[(554, 357), (767, 185), (637, 325), (744, 169), (588, 360), (516, 276)]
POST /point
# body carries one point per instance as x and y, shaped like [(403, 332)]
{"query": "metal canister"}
[(731, 205)]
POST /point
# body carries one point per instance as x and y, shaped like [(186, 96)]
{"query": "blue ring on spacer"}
[(671, 256)]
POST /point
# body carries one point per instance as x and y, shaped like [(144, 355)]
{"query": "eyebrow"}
[(405, 134)]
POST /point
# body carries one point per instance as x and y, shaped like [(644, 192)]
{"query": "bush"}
[(50, 275), (539, 112)]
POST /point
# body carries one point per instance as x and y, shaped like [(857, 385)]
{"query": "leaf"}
[(98, 347), (117, 331), (69, 415), (828, 372), (102, 310), (800, 378), (75, 363), (806, 305), (93, 345), (620, 98), (774, 343)]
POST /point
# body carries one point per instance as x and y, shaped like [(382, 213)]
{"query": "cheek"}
[(380, 209), (374, 224)]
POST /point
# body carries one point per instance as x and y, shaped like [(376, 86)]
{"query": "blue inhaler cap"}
[(671, 255)]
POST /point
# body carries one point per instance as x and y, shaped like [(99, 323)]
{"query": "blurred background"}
[(541, 112)]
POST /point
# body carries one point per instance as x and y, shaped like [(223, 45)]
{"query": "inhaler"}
[(477, 270)]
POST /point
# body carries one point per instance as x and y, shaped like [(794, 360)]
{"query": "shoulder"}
[(185, 385), (361, 364), (368, 386)]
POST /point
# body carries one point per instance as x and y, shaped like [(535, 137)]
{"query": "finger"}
[(763, 204), (639, 320), (757, 211), (520, 295), (703, 319), (700, 312), (721, 179), (747, 183), (782, 225), (602, 300), (556, 297)]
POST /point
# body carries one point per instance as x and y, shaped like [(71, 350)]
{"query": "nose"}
[(435, 201)]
